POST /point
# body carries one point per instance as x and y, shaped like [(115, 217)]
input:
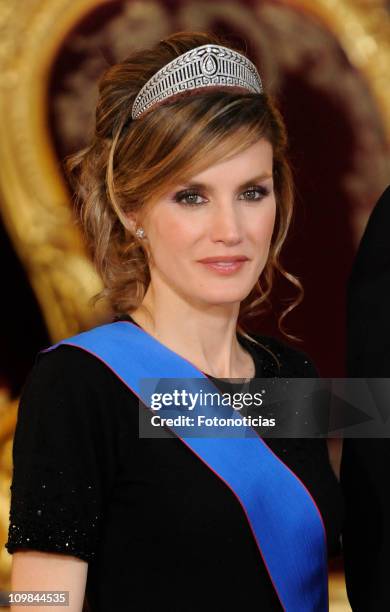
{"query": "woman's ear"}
[(131, 221)]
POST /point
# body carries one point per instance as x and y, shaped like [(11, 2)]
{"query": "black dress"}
[(159, 529)]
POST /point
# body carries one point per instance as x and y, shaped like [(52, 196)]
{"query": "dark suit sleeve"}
[(368, 298), (365, 465), (365, 477)]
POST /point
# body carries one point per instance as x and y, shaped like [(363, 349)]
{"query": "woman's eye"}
[(189, 198), (256, 193)]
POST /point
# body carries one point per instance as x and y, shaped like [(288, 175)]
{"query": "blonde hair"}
[(129, 164)]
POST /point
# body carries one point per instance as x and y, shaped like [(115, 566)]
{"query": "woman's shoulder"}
[(69, 366), (280, 358), (70, 395), (68, 359), (62, 354), (70, 371)]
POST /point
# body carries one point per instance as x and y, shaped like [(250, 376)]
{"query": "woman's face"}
[(209, 238)]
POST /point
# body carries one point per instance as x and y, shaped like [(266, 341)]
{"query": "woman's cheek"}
[(264, 230)]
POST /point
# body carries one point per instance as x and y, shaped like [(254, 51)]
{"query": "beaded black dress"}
[(158, 528)]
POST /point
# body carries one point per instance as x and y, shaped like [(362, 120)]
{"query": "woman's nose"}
[(225, 224)]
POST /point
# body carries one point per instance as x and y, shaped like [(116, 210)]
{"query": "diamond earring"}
[(140, 233)]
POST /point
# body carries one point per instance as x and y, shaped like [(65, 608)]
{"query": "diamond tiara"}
[(204, 66)]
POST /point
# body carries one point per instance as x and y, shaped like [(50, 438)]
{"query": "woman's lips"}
[(224, 267)]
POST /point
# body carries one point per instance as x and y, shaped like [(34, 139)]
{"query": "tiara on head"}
[(204, 66)]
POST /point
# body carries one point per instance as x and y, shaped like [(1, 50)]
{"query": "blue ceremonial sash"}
[(285, 521)]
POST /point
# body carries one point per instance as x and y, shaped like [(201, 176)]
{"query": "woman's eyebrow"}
[(248, 183)]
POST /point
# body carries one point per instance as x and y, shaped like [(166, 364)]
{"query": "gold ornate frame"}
[(34, 201)]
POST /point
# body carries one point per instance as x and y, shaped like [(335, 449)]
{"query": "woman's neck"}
[(206, 338)]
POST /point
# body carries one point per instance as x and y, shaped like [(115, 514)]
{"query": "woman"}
[(186, 199)]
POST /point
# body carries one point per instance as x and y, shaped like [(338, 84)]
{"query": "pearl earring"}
[(140, 233)]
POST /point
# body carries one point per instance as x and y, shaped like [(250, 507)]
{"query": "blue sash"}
[(285, 521)]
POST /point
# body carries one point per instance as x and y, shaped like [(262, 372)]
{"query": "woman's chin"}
[(220, 298)]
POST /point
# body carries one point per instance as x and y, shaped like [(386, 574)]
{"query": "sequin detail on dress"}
[(36, 520)]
